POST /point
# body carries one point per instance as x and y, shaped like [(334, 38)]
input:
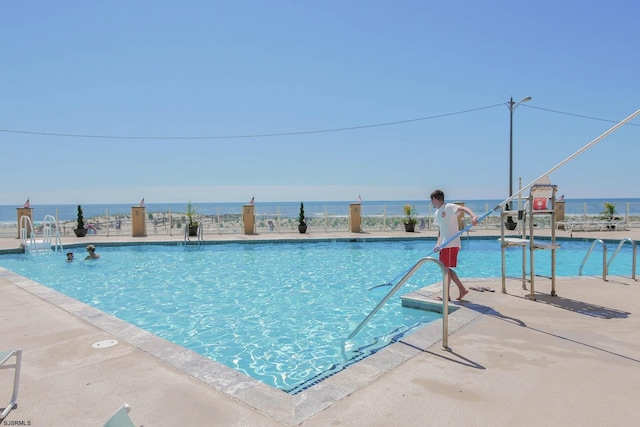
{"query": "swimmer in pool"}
[(92, 252)]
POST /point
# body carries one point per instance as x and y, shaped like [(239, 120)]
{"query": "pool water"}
[(278, 312)]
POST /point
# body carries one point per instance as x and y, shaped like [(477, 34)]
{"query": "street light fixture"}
[(512, 106)]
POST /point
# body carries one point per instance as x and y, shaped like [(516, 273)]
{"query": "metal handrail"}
[(49, 221), (604, 258), (613, 256), (445, 299), (27, 239), (25, 226), (198, 233)]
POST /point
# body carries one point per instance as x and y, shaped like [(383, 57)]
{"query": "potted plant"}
[(191, 219), (609, 214), (609, 211), (409, 219), (80, 231), (302, 225)]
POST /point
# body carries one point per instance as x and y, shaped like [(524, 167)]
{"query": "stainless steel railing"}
[(403, 280), (633, 262), (607, 264), (604, 258)]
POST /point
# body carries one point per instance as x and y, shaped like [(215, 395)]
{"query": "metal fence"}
[(172, 224)]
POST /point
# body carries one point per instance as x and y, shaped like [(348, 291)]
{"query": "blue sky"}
[(297, 100)]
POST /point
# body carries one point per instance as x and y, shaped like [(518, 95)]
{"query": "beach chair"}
[(620, 224), (120, 418), (4, 364)]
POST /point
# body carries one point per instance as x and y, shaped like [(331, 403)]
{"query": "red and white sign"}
[(539, 203)]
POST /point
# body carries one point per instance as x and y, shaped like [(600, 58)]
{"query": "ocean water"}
[(589, 207)]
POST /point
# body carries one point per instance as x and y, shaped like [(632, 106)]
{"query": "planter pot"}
[(302, 229), (80, 232), (409, 227), (193, 230)]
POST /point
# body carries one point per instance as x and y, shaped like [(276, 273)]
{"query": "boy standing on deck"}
[(446, 218)]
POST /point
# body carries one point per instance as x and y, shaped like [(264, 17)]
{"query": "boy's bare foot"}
[(462, 294)]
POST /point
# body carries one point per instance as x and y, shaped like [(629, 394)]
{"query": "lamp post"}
[(512, 106)]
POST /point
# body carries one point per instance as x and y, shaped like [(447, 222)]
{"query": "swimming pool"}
[(278, 312)]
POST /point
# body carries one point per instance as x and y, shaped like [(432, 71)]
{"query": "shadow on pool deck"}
[(573, 359), (594, 310)]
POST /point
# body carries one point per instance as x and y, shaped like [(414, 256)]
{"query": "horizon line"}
[(19, 205)]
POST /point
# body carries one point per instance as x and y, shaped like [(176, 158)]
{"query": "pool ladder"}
[(403, 280), (199, 237), (606, 264), (28, 235)]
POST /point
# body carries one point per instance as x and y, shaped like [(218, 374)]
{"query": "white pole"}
[(326, 218), (519, 188), (626, 220), (384, 218), (577, 153)]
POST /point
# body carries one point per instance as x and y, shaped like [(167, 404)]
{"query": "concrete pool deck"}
[(572, 359)]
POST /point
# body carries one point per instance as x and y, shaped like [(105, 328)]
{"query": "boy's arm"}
[(474, 218), (436, 248)]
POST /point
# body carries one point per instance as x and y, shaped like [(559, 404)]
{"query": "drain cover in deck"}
[(104, 344)]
